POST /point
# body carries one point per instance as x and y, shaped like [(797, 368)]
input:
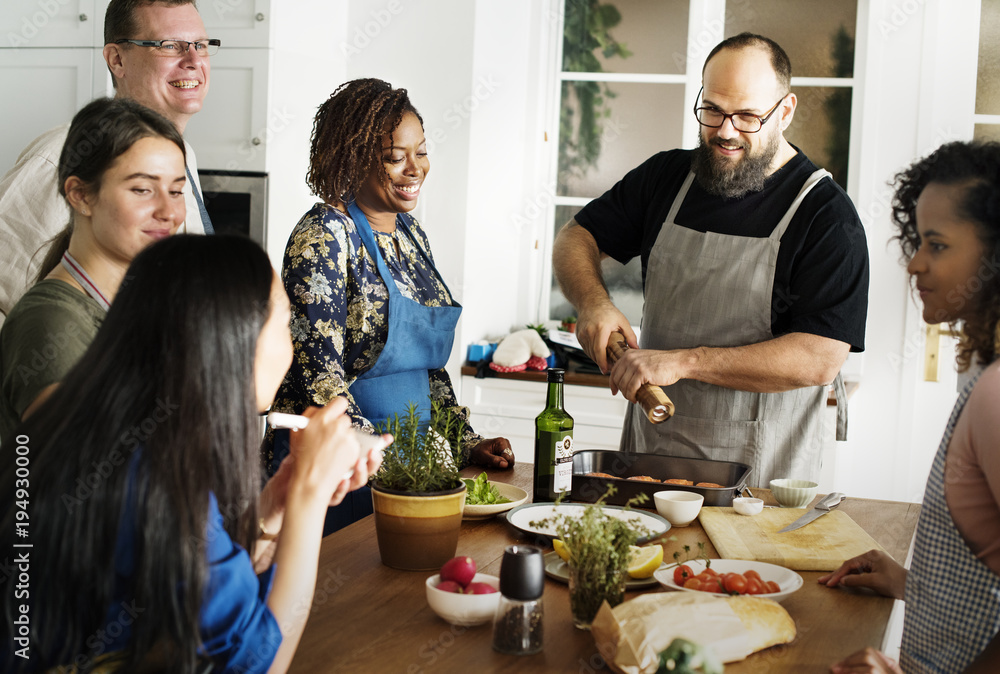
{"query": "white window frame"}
[(706, 22)]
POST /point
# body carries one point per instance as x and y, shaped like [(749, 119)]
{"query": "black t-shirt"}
[(821, 279)]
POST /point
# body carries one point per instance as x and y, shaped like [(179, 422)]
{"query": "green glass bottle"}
[(553, 443)]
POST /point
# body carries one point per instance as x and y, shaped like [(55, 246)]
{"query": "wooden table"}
[(366, 617)]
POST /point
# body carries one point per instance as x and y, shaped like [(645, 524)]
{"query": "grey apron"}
[(710, 289), (952, 597)]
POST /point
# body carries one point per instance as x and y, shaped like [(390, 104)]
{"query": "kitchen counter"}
[(573, 376), (366, 617)]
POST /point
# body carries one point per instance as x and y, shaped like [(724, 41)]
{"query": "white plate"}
[(787, 579), (516, 495), (521, 518), (556, 569)]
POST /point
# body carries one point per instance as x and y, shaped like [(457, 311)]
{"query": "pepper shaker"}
[(517, 626)]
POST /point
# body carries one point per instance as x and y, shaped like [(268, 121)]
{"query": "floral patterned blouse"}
[(340, 312)]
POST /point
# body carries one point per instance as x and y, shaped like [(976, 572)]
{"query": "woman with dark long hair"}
[(372, 318), (947, 213), (121, 171), (143, 479)]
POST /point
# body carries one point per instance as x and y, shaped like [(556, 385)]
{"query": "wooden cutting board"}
[(822, 545)]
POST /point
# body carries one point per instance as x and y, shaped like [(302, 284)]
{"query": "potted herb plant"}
[(417, 495), (569, 324), (599, 548)]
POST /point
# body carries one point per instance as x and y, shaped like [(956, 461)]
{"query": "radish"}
[(459, 569)]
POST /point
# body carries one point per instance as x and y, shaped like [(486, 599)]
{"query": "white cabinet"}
[(231, 131), (51, 23), (238, 23), (508, 407), (66, 77)]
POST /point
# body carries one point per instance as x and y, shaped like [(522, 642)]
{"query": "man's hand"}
[(875, 570), (594, 327), (648, 366), (492, 453)]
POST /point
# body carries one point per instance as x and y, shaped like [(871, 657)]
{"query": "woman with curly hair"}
[(947, 212), (372, 319)]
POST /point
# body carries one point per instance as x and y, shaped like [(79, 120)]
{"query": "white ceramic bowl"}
[(516, 495), (788, 580), (464, 609), (748, 506), (680, 508), (793, 493)]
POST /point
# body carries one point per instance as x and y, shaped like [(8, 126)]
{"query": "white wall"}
[(308, 63), (919, 74)]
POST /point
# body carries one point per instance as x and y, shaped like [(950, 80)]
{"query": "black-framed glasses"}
[(177, 47), (744, 122)]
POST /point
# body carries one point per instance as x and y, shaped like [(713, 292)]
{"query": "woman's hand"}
[(875, 570), (323, 452), (493, 453), (363, 469), (868, 661)]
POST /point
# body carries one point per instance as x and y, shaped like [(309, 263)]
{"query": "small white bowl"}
[(680, 508), (748, 506), (464, 609), (793, 493)]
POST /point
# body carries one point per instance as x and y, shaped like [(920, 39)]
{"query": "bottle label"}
[(564, 463)]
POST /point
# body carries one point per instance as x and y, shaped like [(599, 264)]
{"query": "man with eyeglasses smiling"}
[(158, 55), (755, 278)]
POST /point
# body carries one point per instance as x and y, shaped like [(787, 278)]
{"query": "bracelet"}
[(264, 533)]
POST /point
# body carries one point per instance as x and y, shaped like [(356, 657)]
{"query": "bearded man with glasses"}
[(755, 278), (158, 55)]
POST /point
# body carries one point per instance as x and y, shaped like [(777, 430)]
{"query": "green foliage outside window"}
[(585, 105)]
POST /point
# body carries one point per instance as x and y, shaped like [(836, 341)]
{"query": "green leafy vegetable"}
[(685, 657), (481, 492)]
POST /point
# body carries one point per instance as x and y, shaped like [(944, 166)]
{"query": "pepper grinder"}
[(517, 626), (655, 403)]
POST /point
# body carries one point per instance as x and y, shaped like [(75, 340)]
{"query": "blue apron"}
[(419, 340)]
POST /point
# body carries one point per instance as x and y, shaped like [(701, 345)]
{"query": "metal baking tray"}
[(733, 476)]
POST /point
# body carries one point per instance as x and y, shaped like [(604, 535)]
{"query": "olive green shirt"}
[(45, 334)]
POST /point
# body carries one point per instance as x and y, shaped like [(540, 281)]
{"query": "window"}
[(629, 74), (987, 117)]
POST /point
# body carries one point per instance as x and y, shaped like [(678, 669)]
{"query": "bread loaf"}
[(631, 636)]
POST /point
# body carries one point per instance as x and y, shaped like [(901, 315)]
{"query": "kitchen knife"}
[(829, 502)]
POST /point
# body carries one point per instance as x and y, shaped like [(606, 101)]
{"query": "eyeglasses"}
[(177, 47), (745, 122)]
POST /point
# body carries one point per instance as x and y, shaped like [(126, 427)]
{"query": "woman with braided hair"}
[(372, 319), (947, 213)]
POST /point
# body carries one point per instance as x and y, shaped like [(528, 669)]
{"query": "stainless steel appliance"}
[(237, 202)]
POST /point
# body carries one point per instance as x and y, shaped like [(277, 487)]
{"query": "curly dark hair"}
[(347, 135), (977, 166)]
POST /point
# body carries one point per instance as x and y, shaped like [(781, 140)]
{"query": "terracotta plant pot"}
[(417, 531), (569, 327)]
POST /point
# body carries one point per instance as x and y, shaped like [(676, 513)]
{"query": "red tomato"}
[(682, 573), (752, 574), (735, 583), (772, 587), (705, 575), (710, 571), (755, 586), (714, 586), (692, 584)]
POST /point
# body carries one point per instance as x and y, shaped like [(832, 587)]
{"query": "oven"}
[(236, 202)]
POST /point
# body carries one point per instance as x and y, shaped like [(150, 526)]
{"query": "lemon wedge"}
[(561, 549), (643, 562)]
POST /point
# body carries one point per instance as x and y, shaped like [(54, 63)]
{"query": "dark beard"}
[(720, 177)]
